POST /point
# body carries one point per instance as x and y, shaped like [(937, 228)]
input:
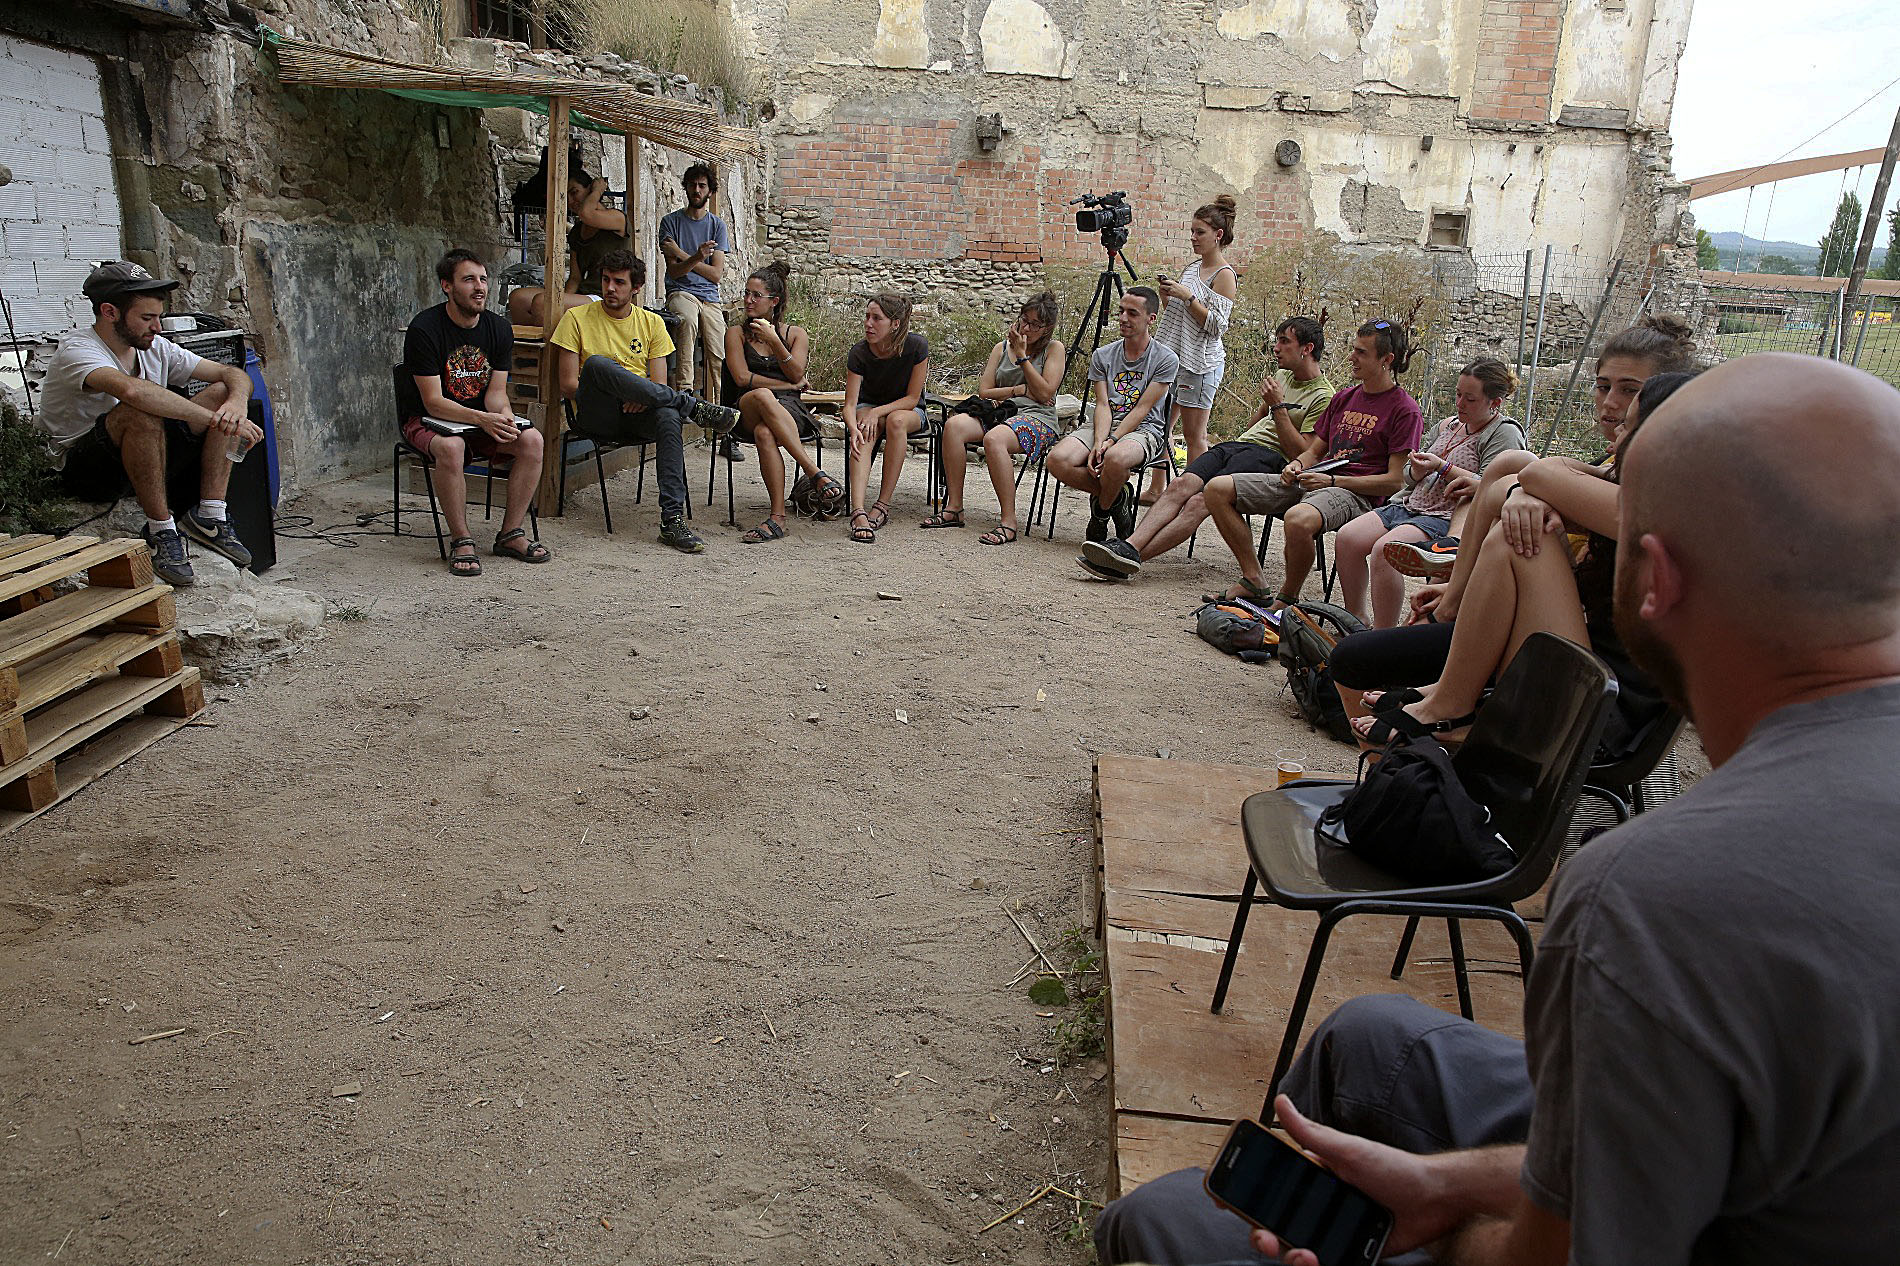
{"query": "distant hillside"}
[(1807, 254)]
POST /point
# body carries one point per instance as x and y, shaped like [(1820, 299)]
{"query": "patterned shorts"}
[(1035, 436)]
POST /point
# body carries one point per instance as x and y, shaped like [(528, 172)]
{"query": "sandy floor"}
[(647, 927)]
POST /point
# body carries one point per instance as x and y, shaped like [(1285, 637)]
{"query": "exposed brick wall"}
[(1517, 60), (914, 191)]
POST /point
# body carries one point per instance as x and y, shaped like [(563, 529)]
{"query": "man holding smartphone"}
[(1711, 1042)]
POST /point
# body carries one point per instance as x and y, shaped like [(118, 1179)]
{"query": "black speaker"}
[(247, 499)]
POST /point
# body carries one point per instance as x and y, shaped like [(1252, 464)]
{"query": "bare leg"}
[(1388, 586), (1000, 447), (524, 477), (1480, 513), (1301, 527), (857, 467), (449, 454), (897, 429), (960, 430), (1069, 463), (1351, 548), (214, 464), (1232, 525), (1193, 430), (1166, 509), (1123, 459), (141, 440)]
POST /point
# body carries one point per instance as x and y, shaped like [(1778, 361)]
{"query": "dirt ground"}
[(648, 926)]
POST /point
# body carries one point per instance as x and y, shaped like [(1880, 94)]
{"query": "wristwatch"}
[(1280, 405), (1022, 360)]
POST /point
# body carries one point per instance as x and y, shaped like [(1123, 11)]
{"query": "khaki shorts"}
[(1265, 494), (1153, 442)]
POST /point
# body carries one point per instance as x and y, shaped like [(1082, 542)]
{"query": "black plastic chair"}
[(577, 447), (1526, 760), (474, 465), (813, 435)]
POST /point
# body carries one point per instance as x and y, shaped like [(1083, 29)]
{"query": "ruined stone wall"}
[(313, 217), (1525, 116)]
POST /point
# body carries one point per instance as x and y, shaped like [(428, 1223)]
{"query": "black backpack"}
[(1410, 815), (1308, 633)]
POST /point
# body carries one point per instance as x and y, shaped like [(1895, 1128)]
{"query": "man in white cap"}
[(111, 412)]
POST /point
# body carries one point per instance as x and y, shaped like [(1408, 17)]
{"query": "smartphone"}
[(1278, 1188)]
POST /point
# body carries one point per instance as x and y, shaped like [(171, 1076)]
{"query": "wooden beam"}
[(1806, 284), (554, 286), (636, 231), (1876, 212), (1768, 173)]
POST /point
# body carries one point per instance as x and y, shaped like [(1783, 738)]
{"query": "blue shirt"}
[(688, 234)]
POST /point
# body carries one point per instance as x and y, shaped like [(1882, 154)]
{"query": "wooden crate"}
[(90, 667)]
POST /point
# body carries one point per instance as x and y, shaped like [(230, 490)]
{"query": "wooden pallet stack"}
[(90, 668)]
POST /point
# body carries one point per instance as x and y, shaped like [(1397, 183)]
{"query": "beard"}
[(126, 335), (470, 307), (695, 201), (1649, 652)]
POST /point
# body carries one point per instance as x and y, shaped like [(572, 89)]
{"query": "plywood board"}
[(1147, 1147)]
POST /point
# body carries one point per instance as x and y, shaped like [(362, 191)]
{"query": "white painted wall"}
[(61, 213)]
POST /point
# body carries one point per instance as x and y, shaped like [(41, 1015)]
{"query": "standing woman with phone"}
[(765, 361), (883, 385), (1194, 320)]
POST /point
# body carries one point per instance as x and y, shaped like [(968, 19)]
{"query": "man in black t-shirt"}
[(455, 360)]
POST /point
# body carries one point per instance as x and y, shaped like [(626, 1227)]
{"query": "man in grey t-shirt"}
[(694, 241), (112, 415), (1712, 1039), (1126, 427)]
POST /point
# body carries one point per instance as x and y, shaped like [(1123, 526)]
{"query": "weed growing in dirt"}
[(675, 37), (348, 613), (1080, 1034), (30, 500)]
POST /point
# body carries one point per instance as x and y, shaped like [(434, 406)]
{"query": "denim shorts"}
[(1395, 515), (1196, 391)]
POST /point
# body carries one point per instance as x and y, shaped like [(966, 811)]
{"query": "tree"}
[(1891, 269), (1843, 236), (1705, 256), (1781, 265)]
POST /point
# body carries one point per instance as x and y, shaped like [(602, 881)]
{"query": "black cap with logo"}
[(117, 278)]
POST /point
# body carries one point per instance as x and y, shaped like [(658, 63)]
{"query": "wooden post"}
[(635, 229), (554, 286), (1868, 231)]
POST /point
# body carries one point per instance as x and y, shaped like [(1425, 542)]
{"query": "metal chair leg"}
[(1405, 947), (395, 491), (1296, 1017), (732, 515), (435, 511), (600, 474), (1233, 942), (640, 484), (1459, 970)]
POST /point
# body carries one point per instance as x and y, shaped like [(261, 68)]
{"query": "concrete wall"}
[(1540, 120)]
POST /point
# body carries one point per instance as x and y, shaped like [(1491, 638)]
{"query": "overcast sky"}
[(1759, 78)]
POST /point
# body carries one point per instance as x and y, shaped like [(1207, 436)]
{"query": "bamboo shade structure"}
[(679, 125)]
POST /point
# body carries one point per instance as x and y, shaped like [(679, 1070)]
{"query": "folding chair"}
[(1526, 761), (813, 435), (474, 466)]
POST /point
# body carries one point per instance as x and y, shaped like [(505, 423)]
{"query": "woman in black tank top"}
[(597, 230), (765, 372)]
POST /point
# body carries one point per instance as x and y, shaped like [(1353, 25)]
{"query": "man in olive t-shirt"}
[(1712, 1045), (1291, 399)]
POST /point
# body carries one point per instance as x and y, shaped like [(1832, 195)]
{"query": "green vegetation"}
[(1890, 269), (30, 495), (1781, 265), (1705, 256), (1079, 1035), (674, 37), (1841, 239)]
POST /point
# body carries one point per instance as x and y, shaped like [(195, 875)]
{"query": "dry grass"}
[(675, 37)]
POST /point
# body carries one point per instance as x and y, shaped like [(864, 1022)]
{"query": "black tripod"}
[(1106, 299)]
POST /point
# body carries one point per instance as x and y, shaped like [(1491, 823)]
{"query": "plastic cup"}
[(238, 448), (1289, 771)]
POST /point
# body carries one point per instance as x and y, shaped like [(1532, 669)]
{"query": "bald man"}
[(1711, 1070)]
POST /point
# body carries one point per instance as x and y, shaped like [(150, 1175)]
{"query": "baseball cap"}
[(122, 277)]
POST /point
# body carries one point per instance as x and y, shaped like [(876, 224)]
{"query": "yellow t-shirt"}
[(633, 340)]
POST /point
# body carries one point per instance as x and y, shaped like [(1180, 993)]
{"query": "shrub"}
[(675, 37), (30, 497)]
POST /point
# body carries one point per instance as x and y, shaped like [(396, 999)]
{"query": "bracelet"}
[(1335, 479), (1515, 485)]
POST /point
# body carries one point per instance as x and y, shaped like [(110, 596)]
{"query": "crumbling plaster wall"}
[(1538, 112)]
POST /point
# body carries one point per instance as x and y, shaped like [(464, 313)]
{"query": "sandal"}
[(461, 564), (879, 517), (1259, 593), (1001, 534), (829, 496), (1388, 700), (944, 518), (1386, 726), (863, 535), (770, 530), (532, 552)]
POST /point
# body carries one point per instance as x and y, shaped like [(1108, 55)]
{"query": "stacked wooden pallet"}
[(90, 668)]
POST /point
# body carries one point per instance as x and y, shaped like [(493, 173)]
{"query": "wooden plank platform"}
[(1171, 861), (90, 667)]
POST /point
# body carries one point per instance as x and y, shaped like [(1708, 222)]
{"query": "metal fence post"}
[(1524, 311), (1583, 349), (1537, 342)]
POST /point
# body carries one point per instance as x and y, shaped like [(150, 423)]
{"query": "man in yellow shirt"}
[(613, 367)]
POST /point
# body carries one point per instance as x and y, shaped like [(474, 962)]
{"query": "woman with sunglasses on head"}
[(1013, 413)]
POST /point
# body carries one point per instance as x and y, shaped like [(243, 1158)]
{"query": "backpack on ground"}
[(1238, 627), (1308, 633)]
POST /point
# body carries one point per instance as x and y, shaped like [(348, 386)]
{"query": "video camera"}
[(1109, 214)]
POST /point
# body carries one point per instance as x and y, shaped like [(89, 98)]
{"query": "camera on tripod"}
[(1104, 214)]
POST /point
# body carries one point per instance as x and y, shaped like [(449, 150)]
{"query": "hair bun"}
[(1670, 327), (1225, 202), (778, 268)]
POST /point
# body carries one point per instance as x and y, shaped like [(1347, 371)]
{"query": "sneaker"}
[(1432, 561), (168, 556), (715, 418), (1096, 570), (1117, 557), (674, 532), (1097, 529), (215, 534), (730, 450), (1124, 510)]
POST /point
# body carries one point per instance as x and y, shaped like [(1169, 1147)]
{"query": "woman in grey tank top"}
[(1013, 413)]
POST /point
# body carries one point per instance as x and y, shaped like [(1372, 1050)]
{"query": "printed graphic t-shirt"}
[(1370, 428), (1127, 379), (633, 340), (436, 347), (689, 235), (1306, 401)]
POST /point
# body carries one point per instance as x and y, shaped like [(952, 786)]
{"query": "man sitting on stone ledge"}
[(613, 367), (112, 416), (1711, 1046)]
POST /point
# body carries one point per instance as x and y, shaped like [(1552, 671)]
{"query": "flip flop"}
[(1259, 593), (944, 519), (1001, 534), (1388, 700), (1387, 726), (863, 535)]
